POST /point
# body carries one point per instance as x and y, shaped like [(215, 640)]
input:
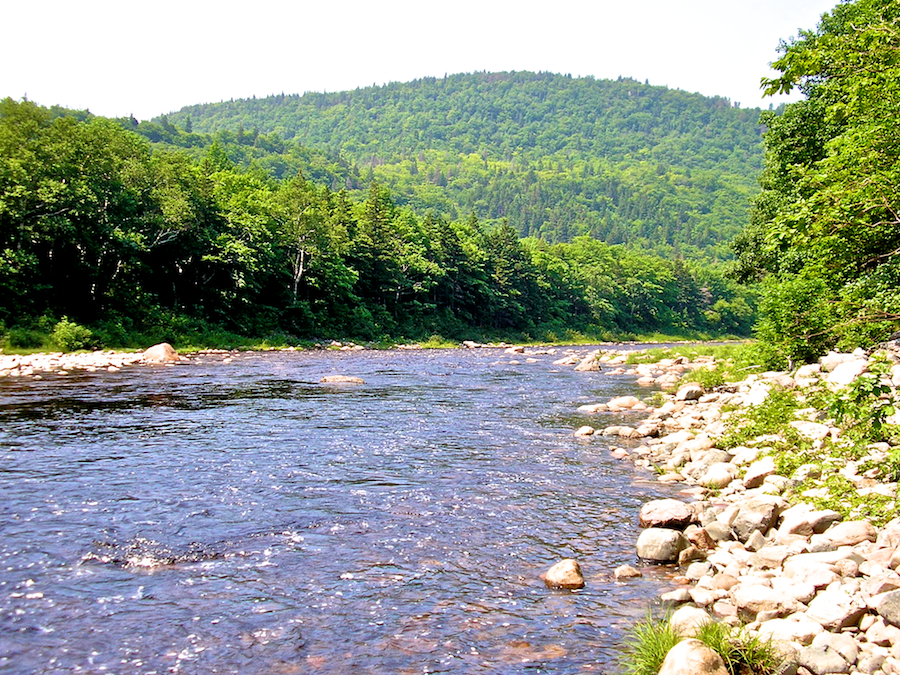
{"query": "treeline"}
[(98, 226), (825, 231), (558, 157)]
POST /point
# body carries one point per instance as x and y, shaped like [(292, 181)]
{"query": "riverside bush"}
[(70, 336)]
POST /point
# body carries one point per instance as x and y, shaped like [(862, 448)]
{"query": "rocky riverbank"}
[(791, 532), (37, 366)]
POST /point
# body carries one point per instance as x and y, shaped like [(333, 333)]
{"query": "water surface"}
[(243, 518)]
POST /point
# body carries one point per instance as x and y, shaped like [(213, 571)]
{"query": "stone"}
[(660, 544), (341, 379), (788, 630), (724, 581), (801, 591), (835, 609), (690, 554), (678, 596), (757, 395), (868, 665), (689, 392), (770, 557), (627, 572), (584, 431), (821, 660), (723, 610), (758, 472), (795, 520), (669, 513), (623, 403), (846, 372), (841, 643), (700, 538), (753, 599), (692, 657), (850, 533), (697, 570), (822, 520), (882, 633), (881, 583), (564, 574), (592, 408), (687, 620), (811, 430), (161, 353), (704, 597), (833, 359), (889, 537), (757, 513), (718, 475), (744, 456), (588, 364), (888, 606), (719, 531), (755, 541)]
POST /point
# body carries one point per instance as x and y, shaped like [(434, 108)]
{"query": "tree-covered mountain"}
[(103, 227), (557, 156)]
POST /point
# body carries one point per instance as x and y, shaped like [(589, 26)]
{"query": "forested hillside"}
[(101, 226), (623, 162)]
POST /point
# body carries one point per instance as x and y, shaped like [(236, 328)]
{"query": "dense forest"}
[(102, 227), (824, 237), (557, 157)]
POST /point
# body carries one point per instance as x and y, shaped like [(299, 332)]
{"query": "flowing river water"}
[(242, 517)]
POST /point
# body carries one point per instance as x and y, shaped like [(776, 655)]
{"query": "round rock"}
[(669, 513), (659, 544), (692, 657), (564, 574)]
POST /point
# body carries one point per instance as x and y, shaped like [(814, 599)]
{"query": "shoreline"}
[(757, 548), (40, 364)]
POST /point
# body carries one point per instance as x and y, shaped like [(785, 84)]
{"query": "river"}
[(242, 517)]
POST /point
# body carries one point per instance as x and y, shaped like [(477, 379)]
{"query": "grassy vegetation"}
[(744, 654), (647, 644)]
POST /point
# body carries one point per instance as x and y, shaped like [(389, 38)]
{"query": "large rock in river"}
[(564, 574), (161, 353), (342, 379)]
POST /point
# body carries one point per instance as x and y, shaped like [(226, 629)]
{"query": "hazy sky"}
[(120, 57)]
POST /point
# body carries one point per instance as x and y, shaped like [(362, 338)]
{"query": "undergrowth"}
[(651, 639)]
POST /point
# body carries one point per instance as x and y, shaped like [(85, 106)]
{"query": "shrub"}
[(22, 338), (70, 336)]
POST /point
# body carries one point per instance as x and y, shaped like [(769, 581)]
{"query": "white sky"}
[(117, 57)]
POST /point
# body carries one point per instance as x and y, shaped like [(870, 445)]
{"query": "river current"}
[(241, 517)]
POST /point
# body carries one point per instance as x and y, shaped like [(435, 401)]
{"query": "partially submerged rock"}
[(341, 379), (564, 574), (161, 353), (662, 545)]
